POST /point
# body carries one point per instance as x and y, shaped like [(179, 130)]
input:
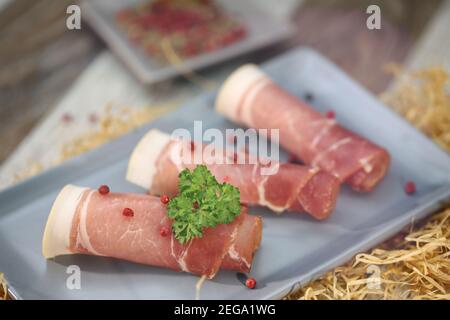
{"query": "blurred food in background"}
[(192, 26)]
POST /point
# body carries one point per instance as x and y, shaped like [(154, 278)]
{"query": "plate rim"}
[(128, 57)]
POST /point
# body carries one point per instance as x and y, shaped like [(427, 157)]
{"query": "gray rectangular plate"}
[(263, 30), (294, 249)]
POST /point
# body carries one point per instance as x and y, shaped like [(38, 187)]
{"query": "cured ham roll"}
[(250, 98), (85, 221), (157, 161)]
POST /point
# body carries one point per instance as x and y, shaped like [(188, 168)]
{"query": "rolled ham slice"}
[(84, 221), (250, 98), (157, 161)]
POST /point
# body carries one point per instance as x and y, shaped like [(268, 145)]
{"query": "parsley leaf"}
[(202, 203)]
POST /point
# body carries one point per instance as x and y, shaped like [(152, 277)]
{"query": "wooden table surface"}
[(41, 59)]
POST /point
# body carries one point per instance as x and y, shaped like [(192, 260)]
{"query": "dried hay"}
[(3, 288), (419, 268), (114, 123), (423, 98)]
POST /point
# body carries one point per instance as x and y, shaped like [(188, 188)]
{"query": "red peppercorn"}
[(165, 199), (66, 118), (93, 118), (164, 231), (292, 158), (232, 138), (226, 179), (250, 283), (330, 114), (103, 189), (410, 187), (127, 212), (196, 205)]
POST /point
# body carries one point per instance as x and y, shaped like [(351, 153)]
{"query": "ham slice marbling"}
[(84, 221), (249, 97), (157, 160)]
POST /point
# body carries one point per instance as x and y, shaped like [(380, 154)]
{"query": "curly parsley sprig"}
[(202, 203)]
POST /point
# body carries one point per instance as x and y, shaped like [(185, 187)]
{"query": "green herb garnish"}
[(202, 203)]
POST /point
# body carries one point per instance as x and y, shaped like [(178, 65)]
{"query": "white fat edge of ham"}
[(182, 257), (232, 253), (296, 195), (297, 191), (262, 195), (142, 164), (366, 164), (176, 154), (82, 235), (333, 147), (329, 123), (246, 108), (199, 285), (234, 88), (56, 239)]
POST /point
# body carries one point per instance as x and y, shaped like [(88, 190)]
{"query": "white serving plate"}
[(263, 30), (295, 248)]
